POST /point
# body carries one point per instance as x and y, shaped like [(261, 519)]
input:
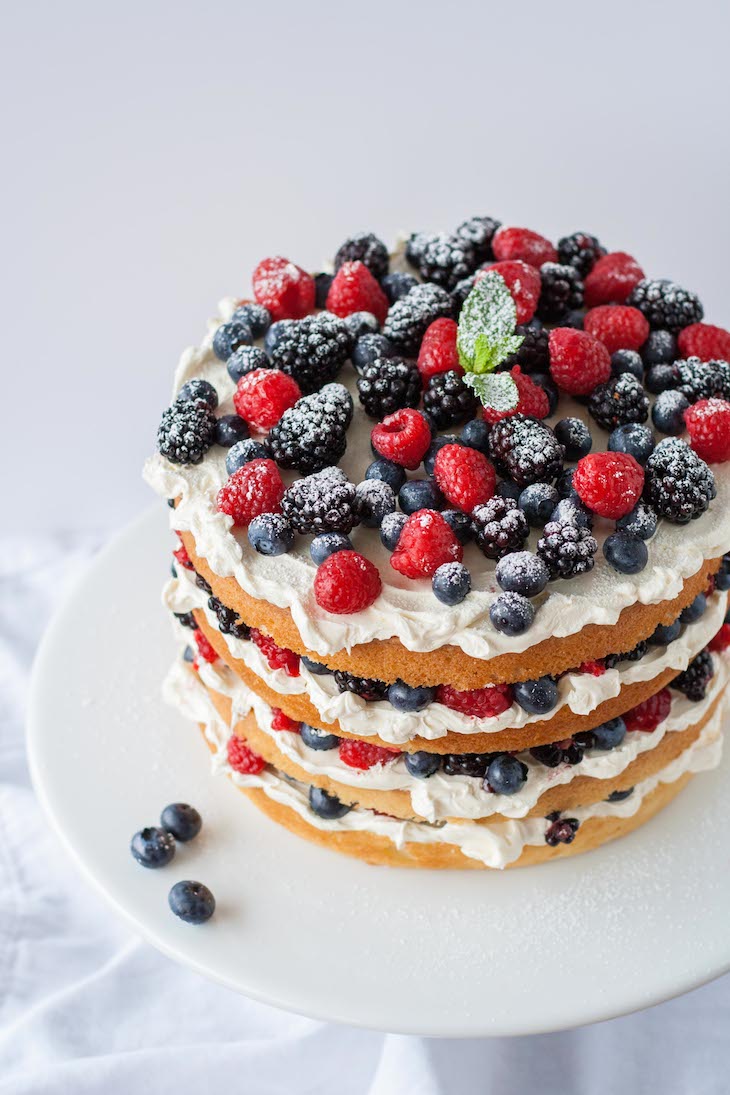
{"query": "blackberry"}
[(467, 764), (408, 318), (703, 379), (312, 434), (567, 549), (581, 251), (460, 292), (698, 674), (442, 259), (367, 248), (619, 401), (322, 502), (312, 350), (202, 584), (500, 526), (665, 304), (533, 355), (561, 830), (186, 619), (228, 622), (368, 688), (679, 485), (561, 292), (525, 450), (448, 400), (479, 232), (186, 431), (549, 755), (635, 655), (388, 384)]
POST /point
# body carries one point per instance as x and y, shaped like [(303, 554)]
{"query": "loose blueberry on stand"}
[(634, 439), (422, 765), (192, 902), (229, 429), (405, 697), (667, 414), (182, 820), (511, 613), (318, 739), (326, 544), (243, 452), (271, 534), (325, 805), (451, 583), (387, 471), (505, 775), (420, 494), (153, 847), (626, 552), (537, 696), (609, 734)]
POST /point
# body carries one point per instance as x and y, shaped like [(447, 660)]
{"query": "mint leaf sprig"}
[(486, 337)]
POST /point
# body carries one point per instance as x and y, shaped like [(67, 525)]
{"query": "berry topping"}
[(511, 613), (362, 754), (505, 774), (561, 830), (561, 291), (609, 483), (285, 289), (317, 739), (612, 279), (721, 641), (448, 400), (364, 247), (524, 284), (534, 352), (524, 244), (325, 805), (354, 289), (619, 401), (575, 437), (282, 722), (705, 341), (421, 765), (580, 250), (522, 572), (366, 688), (668, 412), (229, 429), (625, 552), (186, 431), (537, 502), (501, 527), (420, 494), (438, 353), (397, 284), (627, 361), (407, 697), (442, 259), (480, 703), (410, 317), (277, 657), (533, 400), (254, 489), (262, 396), (271, 534), (702, 379), (191, 901), (183, 821), (256, 316), (708, 425), (312, 434), (388, 384), (646, 716), (426, 542), (243, 452), (199, 389), (641, 521), (567, 548), (346, 582), (578, 361), (242, 759), (369, 348), (666, 305), (245, 360), (153, 847), (465, 476), (537, 696), (634, 439), (312, 350), (205, 649), (403, 437), (326, 544), (375, 500), (451, 582), (698, 674), (617, 326), (679, 485), (479, 232), (322, 502), (525, 450), (229, 337)]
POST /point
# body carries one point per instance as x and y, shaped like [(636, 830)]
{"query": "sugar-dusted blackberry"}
[(567, 548), (561, 292), (500, 527), (665, 304), (312, 350), (525, 450), (679, 485), (620, 400), (460, 292), (408, 318), (581, 251), (467, 764), (364, 247), (448, 400), (387, 384), (312, 434), (698, 674), (703, 379), (322, 502), (533, 355), (442, 259), (368, 688), (186, 431), (479, 232)]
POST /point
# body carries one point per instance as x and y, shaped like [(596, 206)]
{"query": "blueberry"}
[(620, 796), (406, 697), (362, 323), (244, 451), (511, 613), (192, 902), (575, 436), (451, 583), (475, 434), (317, 668), (397, 284), (548, 385), (571, 511), (256, 316), (183, 821), (420, 494), (199, 389), (387, 471), (538, 696), (460, 524), (522, 572), (188, 654), (564, 483), (422, 765), (274, 334), (664, 634), (507, 489), (609, 734), (229, 429), (374, 500), (627, 361), (318, 739), (325, 805), (245, 360), (694, 610), (633, 439), (625, 552), (435, 447), (368, 349), (537, 502), (153, 847), (574, 318), (667, 414), (229, 337), (391, 529), (722, 578), (660, 378), (326, 544), (659, 348), (505, 774), (642, 521), (322, 283), (271, 534)]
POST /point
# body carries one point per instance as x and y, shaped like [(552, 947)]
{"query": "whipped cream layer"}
[(580, 692), (493, 844)]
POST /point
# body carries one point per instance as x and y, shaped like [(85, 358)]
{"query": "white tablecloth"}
[(85, 1006)]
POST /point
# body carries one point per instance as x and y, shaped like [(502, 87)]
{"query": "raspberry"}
[(481, 703), (465, 476), (708, 425), (354, 289), (403, 437), (346, 582), (609, 483), (705, 341), (280, 721), (426, 542), (596, 669), (612, 279), (285, 289), (523, 282), (181, 554), (277, 657), (578, 361), (206, 651), (362, 754), (524, 244), (438, 352), (646, 716), (720, 641), (618, 327), (253, 489), (533, 400), (242, 759), (263, 395)]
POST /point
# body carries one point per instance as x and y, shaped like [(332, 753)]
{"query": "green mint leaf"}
[(497, 390), (487, 326)]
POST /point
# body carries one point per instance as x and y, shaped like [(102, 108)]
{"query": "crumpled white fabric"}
[(86, 1006)]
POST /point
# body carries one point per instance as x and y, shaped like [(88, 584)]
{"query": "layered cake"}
[(452, 528)]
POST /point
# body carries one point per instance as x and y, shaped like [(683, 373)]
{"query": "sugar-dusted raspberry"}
[(253, 489), (205, 649), (438, 352), (523, 282), (533, 399), (280, 721), (243, 759), (646, 716), (263, 395), (426, 542), (612, 279), (403, 437), (465, 476), (617, 326), (609, 483), (524, 244), (346, 582), (578, 361), (481, 703), (720, 641), (354, 289), (363, 754), (705, 341), (708, 426), (284, 288)]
